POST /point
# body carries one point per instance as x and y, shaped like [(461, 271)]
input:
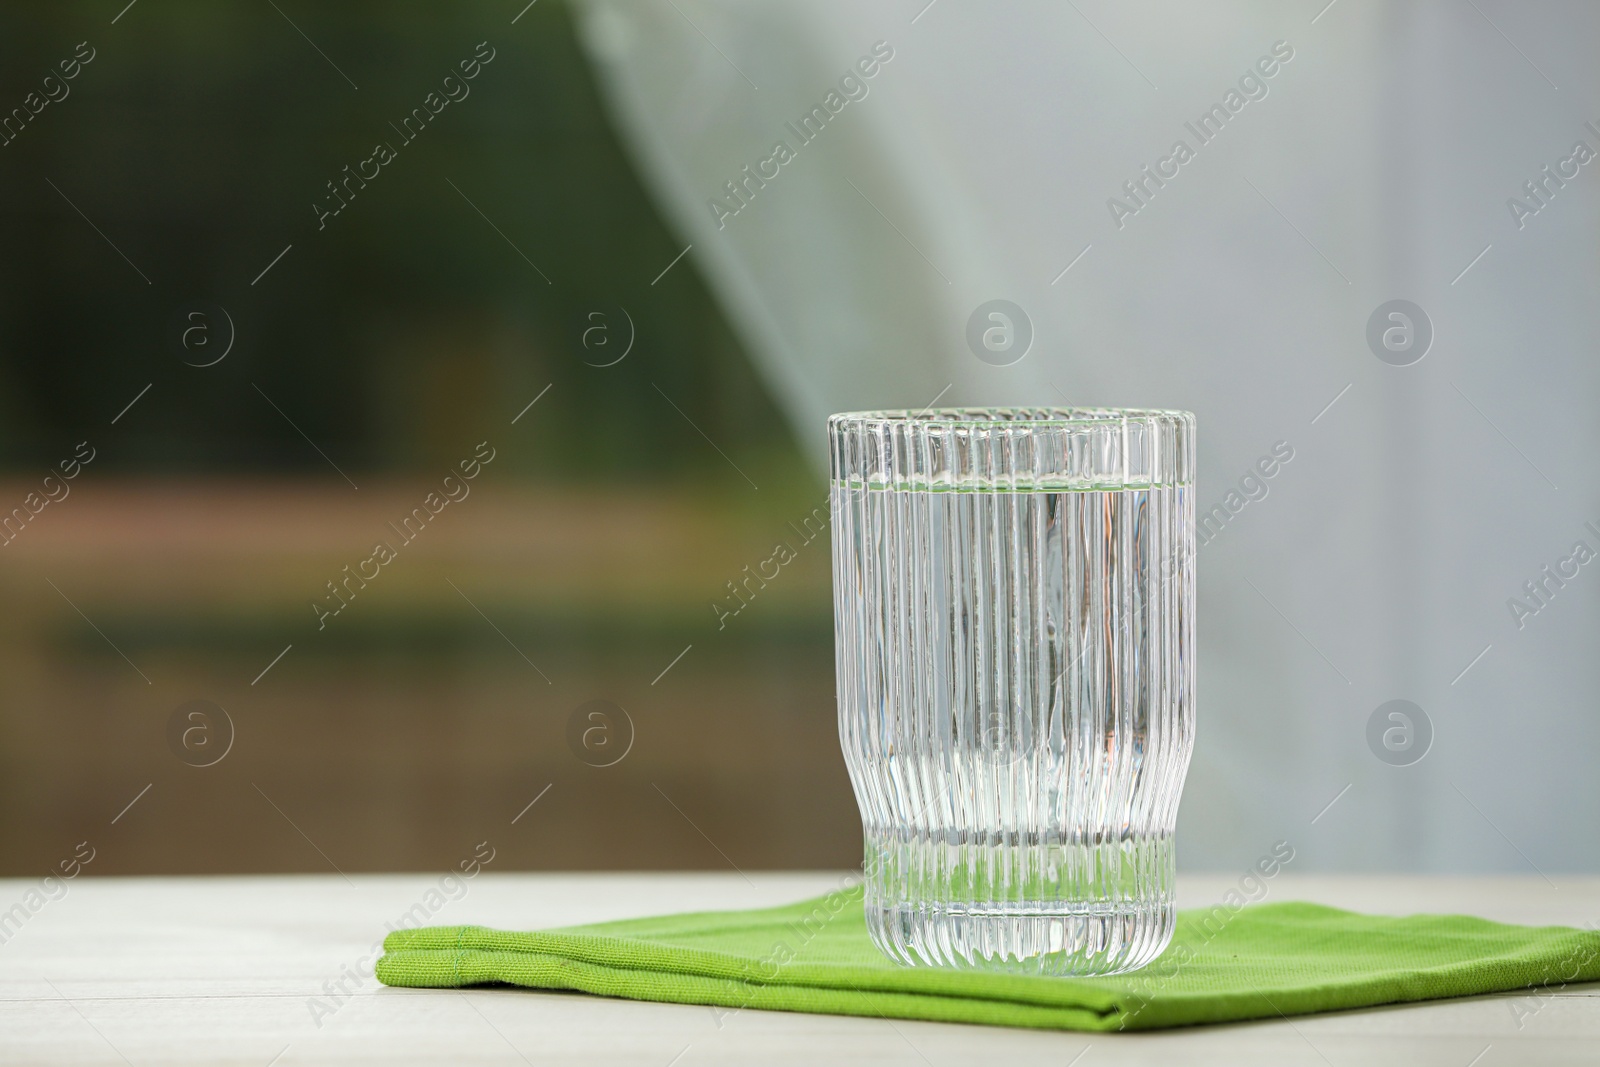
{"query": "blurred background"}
[(378, 352), (279, 270)]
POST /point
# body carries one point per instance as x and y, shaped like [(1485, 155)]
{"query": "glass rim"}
[(1054, 448), (988, 417)]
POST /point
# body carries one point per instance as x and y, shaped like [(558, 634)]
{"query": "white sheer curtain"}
[(980, 160)]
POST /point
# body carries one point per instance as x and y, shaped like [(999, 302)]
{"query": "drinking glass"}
[(1014, 630)]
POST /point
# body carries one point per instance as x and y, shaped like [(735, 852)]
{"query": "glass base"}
[(1055, 939), (1026, 906)]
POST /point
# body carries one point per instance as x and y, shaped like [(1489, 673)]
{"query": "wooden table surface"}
[(248, 971)]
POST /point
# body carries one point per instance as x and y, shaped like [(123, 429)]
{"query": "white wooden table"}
[(243, 971)]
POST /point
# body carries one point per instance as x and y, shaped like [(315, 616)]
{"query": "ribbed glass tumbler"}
[(1014, 629)]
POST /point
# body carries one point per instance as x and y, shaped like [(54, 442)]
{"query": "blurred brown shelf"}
[(437, 702)]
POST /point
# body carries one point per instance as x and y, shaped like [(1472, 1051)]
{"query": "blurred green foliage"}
[(198, 140)]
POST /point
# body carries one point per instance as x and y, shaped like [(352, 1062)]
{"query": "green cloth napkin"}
[(1225, 964)]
